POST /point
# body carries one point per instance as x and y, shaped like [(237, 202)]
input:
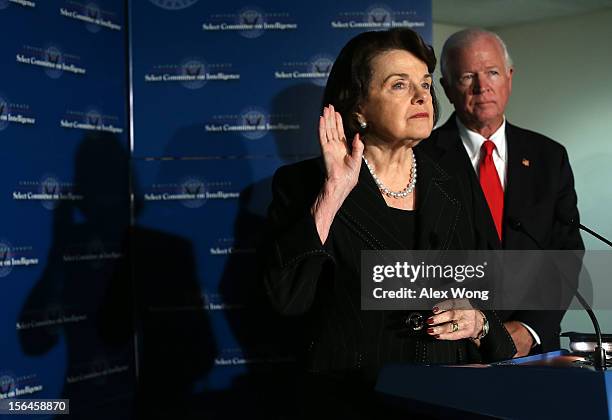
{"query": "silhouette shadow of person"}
[(269, 340), (103, 291)]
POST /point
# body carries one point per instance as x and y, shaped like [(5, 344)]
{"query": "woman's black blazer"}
[(322, 282)]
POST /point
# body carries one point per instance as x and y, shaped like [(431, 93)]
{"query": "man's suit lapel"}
[(438, 206), (518, 184), (453, 155)]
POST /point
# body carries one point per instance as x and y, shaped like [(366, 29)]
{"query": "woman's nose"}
[(420, 95)]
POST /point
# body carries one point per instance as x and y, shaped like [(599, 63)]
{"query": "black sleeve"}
[(293, 253), (497, 345), (566, 235)]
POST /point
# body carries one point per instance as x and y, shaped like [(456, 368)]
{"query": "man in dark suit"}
[(520, 182)]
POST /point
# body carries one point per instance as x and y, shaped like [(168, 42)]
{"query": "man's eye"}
[(426, 85), (467, 77), (493, 72)]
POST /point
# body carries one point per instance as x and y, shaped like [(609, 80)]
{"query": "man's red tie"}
[(491, 185)]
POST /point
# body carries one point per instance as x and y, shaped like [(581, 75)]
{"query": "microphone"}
[(599, 356), (573, 222)]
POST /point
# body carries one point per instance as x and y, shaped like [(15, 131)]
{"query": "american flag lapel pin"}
[(525, 162)]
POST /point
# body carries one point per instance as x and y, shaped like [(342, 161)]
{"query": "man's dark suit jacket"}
[(539, 195), (322, 282)]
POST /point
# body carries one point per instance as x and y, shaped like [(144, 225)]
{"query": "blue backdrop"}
[(111, 298), (64, 166)]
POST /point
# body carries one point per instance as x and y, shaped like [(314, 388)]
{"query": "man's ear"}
[(510, 74)]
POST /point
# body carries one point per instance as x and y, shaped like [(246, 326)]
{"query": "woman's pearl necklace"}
[(396, 194)]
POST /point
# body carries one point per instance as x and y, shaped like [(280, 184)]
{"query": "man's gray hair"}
[(464, 38)]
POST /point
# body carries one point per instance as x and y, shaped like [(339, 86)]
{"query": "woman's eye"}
[(426, 85), (398, 85)]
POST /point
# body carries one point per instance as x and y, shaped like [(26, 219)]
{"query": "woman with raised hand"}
[(370, 190)]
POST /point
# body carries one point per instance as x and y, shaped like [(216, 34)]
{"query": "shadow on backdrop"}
[(103, 279), (267, 338)]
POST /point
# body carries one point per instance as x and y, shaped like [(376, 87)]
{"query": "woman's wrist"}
[(325, 207)]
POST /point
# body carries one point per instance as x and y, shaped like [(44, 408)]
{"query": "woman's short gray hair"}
[(463, 38)]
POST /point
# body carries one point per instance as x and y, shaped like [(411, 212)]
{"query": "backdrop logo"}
[(14, 256), (195, 71), (255, 123), (50, 318), (91, 120), (7, 385), (252, 123), (378, 16), (250, 22), (95, 253), (6, 255), (253, 21), (174, 4), (11, 113), (227, 246), (52, 59), (4, 112), (49, 191), (191, 192), (316, 70), (91, 15), (192, 73), (50, 187), (94, 118), (195, 188), (224, 246), (235, 357), (215, 302), (12, 386), (25, 3), (97, 371)]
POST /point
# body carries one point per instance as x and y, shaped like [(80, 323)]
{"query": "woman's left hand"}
[(455, 319)]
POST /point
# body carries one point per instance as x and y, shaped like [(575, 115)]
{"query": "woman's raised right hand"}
[(342, 166), (342, 163)]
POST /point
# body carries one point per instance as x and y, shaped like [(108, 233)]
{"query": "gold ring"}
[(455, 326)]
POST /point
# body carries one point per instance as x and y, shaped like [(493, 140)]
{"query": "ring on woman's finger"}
[(455, 326)]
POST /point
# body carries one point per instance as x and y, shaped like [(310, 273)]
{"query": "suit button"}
[(415, 321)]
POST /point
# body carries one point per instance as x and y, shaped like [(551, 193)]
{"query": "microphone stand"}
[(600, 352), (599, 355)]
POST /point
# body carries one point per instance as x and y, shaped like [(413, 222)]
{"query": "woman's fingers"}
[(335, 129), (454, 319), (454, 325), (322, 131), (330, 123), (449, 304), (442, 318), (357, 146), (339, 158), (454, 330), (340, 128)]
